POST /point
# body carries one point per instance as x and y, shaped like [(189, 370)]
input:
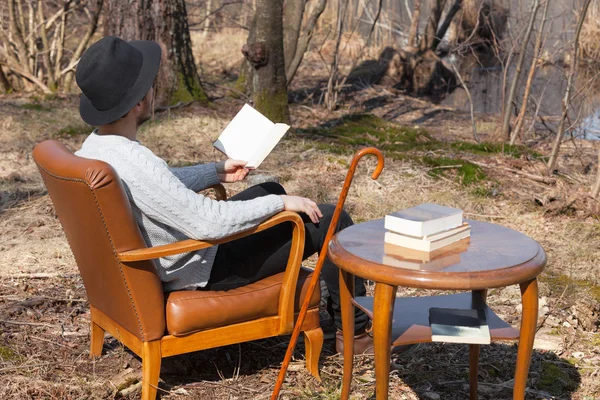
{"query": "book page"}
[(243, 137), (269, 142)]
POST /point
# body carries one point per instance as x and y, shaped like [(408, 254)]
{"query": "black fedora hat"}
[(115, 75)]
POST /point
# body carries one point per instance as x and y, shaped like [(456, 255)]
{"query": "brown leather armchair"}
[(125, 293)]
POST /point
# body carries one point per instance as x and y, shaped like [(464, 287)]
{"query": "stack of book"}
[(426, 228)]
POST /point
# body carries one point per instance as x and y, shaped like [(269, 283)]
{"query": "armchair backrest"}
[(96, 216)]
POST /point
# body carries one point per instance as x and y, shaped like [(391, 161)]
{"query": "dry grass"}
[(219, 53)]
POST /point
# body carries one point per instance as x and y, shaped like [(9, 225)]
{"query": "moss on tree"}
[(273, 105), (187, 90)]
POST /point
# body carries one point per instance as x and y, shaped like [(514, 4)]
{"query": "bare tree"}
[(35, 51), (302, 42), (164, 21), (293, 13), (429, 37), (536, 54), (332, 89), (414, 26), (264, 51), (513, 87), (567, 98), (468, 92)]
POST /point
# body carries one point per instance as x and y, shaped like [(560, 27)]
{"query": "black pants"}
[(263, 254)]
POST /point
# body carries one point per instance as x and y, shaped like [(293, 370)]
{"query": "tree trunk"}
[(446, 24), (164, 21), (536, 53), (519, 67), (304, 40), (265, 53), (429, 38), (332, 82), (293, 11), (567, 99), (5, 82), (414, 26)]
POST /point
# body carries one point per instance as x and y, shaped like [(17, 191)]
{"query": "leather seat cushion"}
[(190, 311)]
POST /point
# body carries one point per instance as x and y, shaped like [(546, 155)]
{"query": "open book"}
[(250, 136)]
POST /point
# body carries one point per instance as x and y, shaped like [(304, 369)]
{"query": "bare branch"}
[(304, 40), (83, 44), (567, 98), (414, 26), (536, 54), (520, 60), (462, 82), (22, 52), (46, 48)]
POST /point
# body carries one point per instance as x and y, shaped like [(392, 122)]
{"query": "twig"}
[(17, 298), (26, 366), (42, 275), (462, 82), (26, 323), (228, 88), (50, 341), (238, 389), (484, 215), (445, 167), (537, 178), (181, 104)]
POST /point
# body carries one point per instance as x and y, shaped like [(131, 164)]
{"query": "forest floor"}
[(430, 157)]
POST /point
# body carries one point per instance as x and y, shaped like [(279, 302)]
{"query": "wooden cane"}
[(322, 255)]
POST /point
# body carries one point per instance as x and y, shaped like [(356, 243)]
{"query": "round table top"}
[(493, 256)]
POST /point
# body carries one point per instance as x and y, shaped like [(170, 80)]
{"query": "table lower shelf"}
[(410, 323)]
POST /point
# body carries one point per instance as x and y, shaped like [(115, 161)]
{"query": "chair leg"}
[(151, 359), (313, 343), (96, 340)]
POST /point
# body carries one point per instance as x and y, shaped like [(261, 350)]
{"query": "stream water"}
[(485, 75), (486, 80)]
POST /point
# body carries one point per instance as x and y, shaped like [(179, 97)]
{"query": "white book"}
[(459, 326), (250, 137), (423, 244), (425, 219)]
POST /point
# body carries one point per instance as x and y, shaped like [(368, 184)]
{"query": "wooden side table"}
[(495, 256)]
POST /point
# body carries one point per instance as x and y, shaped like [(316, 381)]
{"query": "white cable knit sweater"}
[(167, 208)]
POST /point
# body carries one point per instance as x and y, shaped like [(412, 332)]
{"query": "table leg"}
[(347, 309), (383, 309), (474, 356), (473, 370), (529, 295)]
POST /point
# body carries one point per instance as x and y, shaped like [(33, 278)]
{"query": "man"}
[(116, 78)]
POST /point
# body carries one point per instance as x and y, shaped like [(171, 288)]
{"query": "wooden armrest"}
[(186, 246)]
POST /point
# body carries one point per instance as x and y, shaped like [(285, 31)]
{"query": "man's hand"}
[(302, 204), (232, 170)]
